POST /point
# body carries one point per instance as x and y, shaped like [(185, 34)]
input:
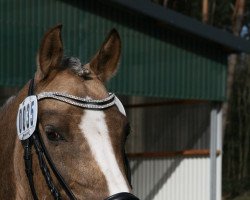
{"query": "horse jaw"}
[(94, 128)]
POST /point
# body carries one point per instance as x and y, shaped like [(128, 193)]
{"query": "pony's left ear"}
[(105, 62), (50, 53)]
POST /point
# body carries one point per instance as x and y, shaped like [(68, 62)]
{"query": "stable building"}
[(172, 81)]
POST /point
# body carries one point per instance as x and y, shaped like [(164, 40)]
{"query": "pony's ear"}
[(104, 63), (50, 53)]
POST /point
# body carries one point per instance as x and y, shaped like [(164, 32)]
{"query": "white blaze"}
[(95, 130)]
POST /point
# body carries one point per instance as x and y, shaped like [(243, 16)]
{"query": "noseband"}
[(41, 150)]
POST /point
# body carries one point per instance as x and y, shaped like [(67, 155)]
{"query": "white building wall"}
[(171, 179), (169, 129)]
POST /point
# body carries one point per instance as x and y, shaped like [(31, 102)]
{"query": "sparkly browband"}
[(79, 101)]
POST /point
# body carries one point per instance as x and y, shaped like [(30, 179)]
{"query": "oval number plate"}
[(27, 117)]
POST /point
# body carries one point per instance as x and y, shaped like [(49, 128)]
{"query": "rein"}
[(41, 150)]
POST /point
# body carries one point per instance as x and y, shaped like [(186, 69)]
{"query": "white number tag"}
[(27, 117)]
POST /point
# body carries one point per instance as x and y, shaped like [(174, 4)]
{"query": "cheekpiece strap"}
[(27, 145)]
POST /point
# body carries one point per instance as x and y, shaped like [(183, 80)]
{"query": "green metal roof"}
[(226, 40), (156, 60)]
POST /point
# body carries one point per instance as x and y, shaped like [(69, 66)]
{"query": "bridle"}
[(43, 155)]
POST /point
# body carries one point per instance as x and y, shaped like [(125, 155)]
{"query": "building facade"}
[(172, 80)]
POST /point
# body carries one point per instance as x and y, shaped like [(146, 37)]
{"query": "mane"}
[(5, 106), (7, 137)]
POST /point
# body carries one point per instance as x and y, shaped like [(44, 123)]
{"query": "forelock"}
[(72, 63)]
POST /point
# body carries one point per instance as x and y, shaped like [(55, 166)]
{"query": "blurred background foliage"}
[(220, 12)]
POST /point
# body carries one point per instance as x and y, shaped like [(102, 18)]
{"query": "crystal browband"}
[(79, 101)]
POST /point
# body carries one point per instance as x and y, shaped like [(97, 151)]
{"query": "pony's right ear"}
[(50, 53)]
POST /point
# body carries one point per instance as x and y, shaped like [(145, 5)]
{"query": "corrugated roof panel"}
[(155, 61)]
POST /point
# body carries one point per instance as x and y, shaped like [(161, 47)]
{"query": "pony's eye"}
[(53, 135)]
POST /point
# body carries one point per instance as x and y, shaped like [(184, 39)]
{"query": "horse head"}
[(86, 143)]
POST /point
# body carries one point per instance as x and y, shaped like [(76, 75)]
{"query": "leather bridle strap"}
[(46, 173), (27, 145), (41, 150), (28, 165), (44, 167)]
